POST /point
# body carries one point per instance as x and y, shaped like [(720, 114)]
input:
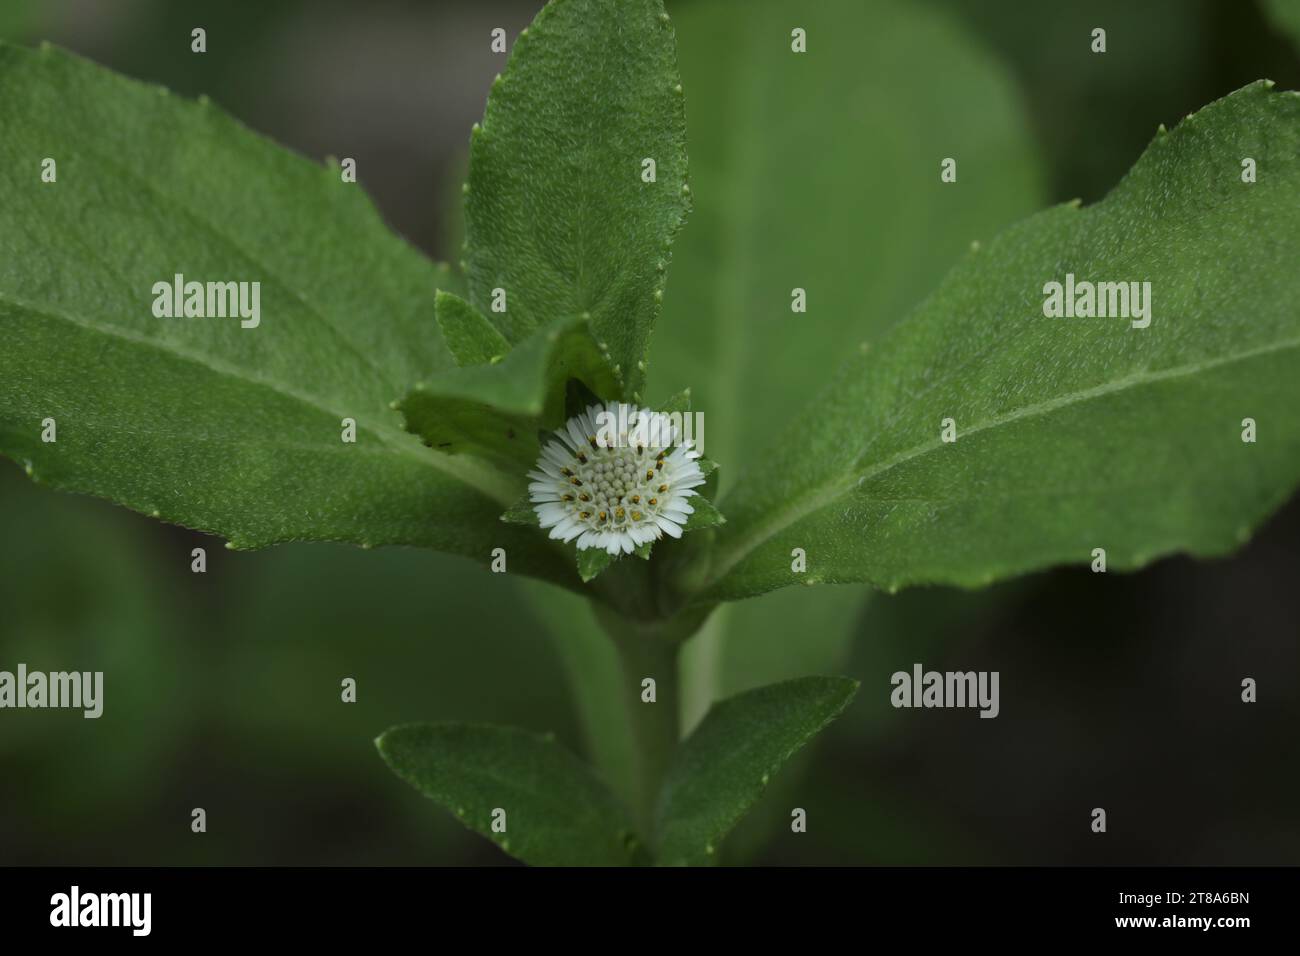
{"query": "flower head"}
[(615, 477)]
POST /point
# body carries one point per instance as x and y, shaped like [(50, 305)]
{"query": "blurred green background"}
[(222, 689)]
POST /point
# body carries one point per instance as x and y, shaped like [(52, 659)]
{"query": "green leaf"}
[(724, 766), (591, 561), (793, 632), (705, 515), (557, 214), (557, 813), (522, 513), (200, 421), (494, 411), (471, 339), (1073, 434)]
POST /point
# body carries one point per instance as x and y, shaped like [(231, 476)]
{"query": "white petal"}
[(669, 527)]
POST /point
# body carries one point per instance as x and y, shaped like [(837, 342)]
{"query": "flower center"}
[(615, 490), (615, 487)]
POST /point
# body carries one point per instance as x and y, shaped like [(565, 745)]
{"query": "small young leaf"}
[(1071, 434), (494, 411), (705, 515), (556, 812), (522, 513), (723, 767), (591, 561), (471, 339), (560, 219)]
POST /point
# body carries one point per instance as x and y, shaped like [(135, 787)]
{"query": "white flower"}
[(615, 477)]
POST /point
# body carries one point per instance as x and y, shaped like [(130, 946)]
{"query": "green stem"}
[(656, 727)]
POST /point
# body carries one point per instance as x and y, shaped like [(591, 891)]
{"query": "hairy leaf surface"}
[(1072, 433)]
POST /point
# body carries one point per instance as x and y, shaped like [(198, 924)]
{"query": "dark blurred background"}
[(1119, 691)]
